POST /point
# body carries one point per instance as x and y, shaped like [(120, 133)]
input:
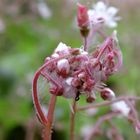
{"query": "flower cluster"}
[(72, 72)]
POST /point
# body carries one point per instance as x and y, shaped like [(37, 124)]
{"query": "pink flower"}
[(73, 72)]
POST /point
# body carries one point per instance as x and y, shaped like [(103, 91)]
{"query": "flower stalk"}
[(72, 120), (47, 132)]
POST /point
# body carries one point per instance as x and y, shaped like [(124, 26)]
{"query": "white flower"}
[(63, 65), (101, 13), (122, 107), (44, 10), (63, 48)]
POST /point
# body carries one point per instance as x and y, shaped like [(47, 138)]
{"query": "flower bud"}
[(90, 99), (83, 20), (63, 67), (107, 94)]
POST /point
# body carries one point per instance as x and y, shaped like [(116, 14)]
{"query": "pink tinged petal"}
[(62, 48), (82, 76)]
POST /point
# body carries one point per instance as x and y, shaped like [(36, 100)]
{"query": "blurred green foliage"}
[(28, 39)]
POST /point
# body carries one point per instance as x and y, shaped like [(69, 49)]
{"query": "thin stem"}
[(48, 127), (37, 105), (85, 44), (105, 103), (72, 120)]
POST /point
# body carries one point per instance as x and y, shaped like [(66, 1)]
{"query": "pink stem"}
[(85, 44), (105, 103), (48, 127), (37, 105), (72, 120)]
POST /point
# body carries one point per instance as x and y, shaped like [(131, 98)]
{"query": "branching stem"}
[(105, 103)]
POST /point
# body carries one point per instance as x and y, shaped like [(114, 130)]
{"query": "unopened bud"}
[(107, 94), (83, 20), (63, 67), (91, 98)]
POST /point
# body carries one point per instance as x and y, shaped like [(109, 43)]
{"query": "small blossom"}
[(103, 14), (122, 107)]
